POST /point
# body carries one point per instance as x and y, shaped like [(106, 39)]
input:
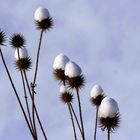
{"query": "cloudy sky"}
[(101, 36)]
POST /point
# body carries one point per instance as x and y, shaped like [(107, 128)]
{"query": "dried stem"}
[(37, 115), (108, 134), (76, 118), (17, 96), (80, 113), (33, 84), (96, 120), (26, 100), (72, 120)]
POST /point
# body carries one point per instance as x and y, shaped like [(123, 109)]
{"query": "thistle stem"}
[(72, 120), (80, 113), (34, 81), (96, 120), (76, 118), (17, 96), (37, 58), (108, 134), (26, 100), (37, 115)]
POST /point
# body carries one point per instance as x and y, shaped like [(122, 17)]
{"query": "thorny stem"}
[(76, 118), (96, 119), (80, 113), (15, 91), (108, 134), (34, 81), (37, 115), (72, 120)]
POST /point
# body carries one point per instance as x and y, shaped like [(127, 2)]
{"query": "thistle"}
[(43, 20), (109, 116), (59, 67), (96, 98), (17, 41)]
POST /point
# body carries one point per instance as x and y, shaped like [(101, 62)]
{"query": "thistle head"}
[(109, 117), (75, 79), (17, 41), (2, 37), (23, 64), (59, 67), (43, 19), (66, 97), (96, 95)]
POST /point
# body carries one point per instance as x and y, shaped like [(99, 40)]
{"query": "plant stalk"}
[(80, 113), (15, 91), (96, 120), (72, 120)]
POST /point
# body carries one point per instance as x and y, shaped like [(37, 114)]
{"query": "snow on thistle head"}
[(96, 95), (60, 62), (109, 117), (43, 19), (23, 53), (108, 108), (59, 66), (66, 97), (75, 79), (2, 37)]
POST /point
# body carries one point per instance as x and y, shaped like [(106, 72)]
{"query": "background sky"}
[(100, 36)]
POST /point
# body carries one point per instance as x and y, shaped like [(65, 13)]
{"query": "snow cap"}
[(96, 91), (72, 69), (23, 53), (108, 108), (41, 14), (63, 89), (60, 61)]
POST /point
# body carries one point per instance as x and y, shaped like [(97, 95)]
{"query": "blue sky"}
[(101, 36)]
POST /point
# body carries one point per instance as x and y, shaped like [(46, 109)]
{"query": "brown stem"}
[(76, 119), (80, 113), (96, 120), (72, 120), (15, 91), (37, 115)]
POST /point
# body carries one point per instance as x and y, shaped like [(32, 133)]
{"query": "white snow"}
[(63, 89), (60, 61), (41, 14), (108, 108), (23, 53), (96, 91), (72, 69)]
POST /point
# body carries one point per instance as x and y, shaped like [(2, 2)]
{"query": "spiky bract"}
[(97, 101), (76, 82), (2, 37), (23, 64), (110, 124), (66, 97), (45, 24), (59, 75), (17, 41)]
